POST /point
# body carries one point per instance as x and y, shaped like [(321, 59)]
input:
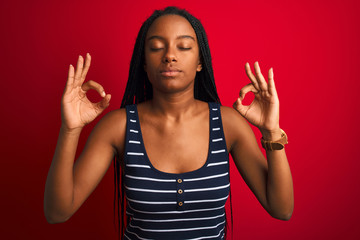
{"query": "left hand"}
[(263, 112)]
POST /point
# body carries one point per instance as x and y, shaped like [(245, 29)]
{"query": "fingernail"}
[(103, 94)]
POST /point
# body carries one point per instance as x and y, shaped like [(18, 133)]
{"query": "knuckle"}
[(90, 82)]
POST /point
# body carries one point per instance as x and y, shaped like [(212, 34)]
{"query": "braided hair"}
[(139, 89)]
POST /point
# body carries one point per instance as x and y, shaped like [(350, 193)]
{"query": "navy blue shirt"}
[(164, 205)]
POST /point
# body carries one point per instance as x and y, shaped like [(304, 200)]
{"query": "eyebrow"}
[(178, 37)]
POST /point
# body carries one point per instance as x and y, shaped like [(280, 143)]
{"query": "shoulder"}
[(111, 128), (232, 118), (236, 129), (113, 120)]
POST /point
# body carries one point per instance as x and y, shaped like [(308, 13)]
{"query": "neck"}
[(175, 105)]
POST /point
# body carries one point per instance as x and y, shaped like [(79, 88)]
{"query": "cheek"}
[(150, 69), (148, 64), (192, 63)]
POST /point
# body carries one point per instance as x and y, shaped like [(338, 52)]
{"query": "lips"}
[(170, 72)]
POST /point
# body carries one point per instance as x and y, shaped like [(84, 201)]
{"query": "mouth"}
[(170, 72)]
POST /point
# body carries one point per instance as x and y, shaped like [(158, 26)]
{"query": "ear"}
[(199, 67)]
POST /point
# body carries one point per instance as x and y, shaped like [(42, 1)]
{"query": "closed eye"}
[(182, 48), (155, 49)]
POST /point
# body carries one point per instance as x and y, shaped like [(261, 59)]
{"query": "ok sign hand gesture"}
[(263, 112), (76, 109)]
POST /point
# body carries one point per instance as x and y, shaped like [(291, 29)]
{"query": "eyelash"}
[(155, 49), (158, 49)]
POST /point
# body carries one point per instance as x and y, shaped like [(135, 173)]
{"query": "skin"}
[(175, 127)]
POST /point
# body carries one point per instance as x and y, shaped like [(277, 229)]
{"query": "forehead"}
[(171, 26)]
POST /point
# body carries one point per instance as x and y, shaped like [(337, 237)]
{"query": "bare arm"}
[(270, 180), (68, 185), (58, 196)]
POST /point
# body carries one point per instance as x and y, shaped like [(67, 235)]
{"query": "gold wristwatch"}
[(275, 145)]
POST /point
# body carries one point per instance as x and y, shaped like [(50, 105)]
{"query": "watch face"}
[(277, 146)]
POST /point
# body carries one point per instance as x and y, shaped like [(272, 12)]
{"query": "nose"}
[(169, 56)]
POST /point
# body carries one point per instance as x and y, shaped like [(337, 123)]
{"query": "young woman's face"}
[(171, 54)]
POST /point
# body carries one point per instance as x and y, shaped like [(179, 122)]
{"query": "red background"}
[(312, 45)]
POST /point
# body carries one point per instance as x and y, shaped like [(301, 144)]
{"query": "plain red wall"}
[(312, 45)]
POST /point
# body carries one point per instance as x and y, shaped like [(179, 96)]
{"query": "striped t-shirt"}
[(164, 205)]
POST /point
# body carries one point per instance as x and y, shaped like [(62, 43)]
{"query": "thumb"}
[(240, 107)]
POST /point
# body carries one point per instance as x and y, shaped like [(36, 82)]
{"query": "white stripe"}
[(137, 165), (205, 237), (148, 202), (216, 129), (178, 219), (214, 109), (136, 142), (217, 140), (215, 118), (206, 189), (206, 200), (134, 131), (151, 179), (137, 235), (132, 120), (215, 164), (204, 178), (132, 111), (127, 236), (135, 153), (172, 212), (218, 151), (150, 190), (176, 230)]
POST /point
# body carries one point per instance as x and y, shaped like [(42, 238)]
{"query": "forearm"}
[(279, 189), (59, 189)]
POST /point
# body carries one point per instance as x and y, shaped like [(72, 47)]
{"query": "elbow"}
[(283, 215), (55, 220), (281, 211), (53, 217)]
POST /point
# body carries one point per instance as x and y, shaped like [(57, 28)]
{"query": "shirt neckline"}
[(168, 173)]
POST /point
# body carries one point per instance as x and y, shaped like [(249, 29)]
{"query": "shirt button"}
[(179, 180), (180, 191), (180, 204)]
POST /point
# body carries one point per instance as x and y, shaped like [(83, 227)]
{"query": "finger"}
[(70, 80), (238, 106), (251, 76), (86, 67), (93, 85), (260, 77), (271, 84), (104, 103), (247, 88), (79, 69)]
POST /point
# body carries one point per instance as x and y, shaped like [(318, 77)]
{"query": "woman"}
[(173, 144)]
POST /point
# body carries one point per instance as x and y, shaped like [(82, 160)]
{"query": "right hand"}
[(76, 109)]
